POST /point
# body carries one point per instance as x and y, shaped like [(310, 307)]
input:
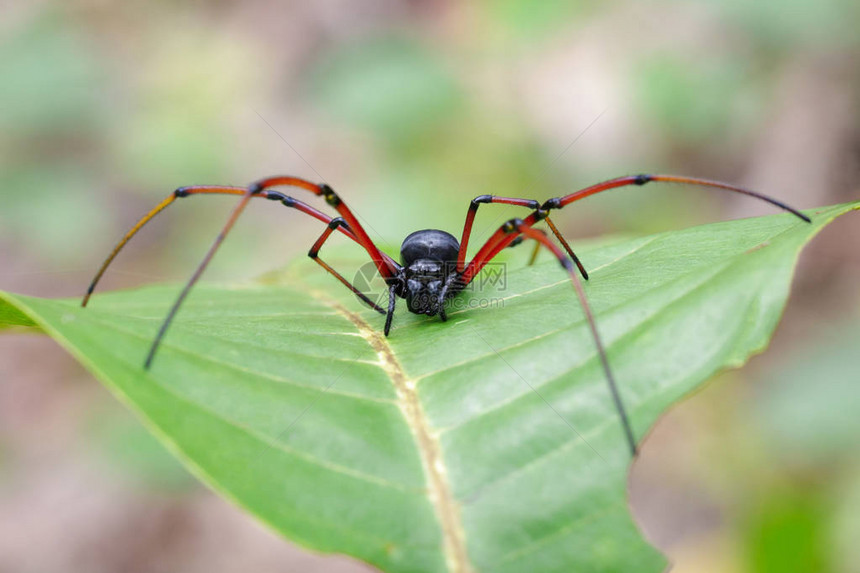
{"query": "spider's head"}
[(428, 257), (424, 281)]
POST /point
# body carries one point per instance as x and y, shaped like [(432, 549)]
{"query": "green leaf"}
[(487, 443)]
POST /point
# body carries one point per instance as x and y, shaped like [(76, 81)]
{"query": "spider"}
[(433, 267)]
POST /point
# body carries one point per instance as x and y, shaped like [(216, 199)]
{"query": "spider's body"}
[(429, 274), (433, 264)]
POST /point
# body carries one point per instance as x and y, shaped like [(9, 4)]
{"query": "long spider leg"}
[(392, 299), (137, 227), (559, 202), (498, 241), (314, 254), (237, 210), (564, 244), (517, 225), (383, 263), (506, 234), (642, 179), (501, 239), (198, 190), (354, 227), (470, 219), (531, 204), (533, 257)]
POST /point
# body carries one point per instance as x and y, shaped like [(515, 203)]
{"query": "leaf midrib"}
[(440, 494)]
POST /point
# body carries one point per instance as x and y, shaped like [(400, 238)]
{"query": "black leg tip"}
[(147, 364), (87, 296)]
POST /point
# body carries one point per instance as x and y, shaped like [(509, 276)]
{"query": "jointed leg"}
[(470, 219), (531, 204), (564, 244), (237, 210), (542, 239), (314, 254), (499, 240), (146, 218), (559, 202), (207, 190), (384, 264), (506, 234), (515, 228), (392, 298)]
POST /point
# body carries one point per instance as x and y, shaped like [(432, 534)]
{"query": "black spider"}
[(432, 266)]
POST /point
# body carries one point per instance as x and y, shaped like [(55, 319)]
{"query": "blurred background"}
[(409, 109)]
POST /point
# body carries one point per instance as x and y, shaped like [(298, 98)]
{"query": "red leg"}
[(237, 210), (506, 234), (518, 226), (515, 228), (559, 202), (530, 203), (314, 254), (470, 219), (564, 244), (500, 240), (209, 190), (383, 263)]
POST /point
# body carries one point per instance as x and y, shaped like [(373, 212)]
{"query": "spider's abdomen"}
[(429, 257), (429, 244)]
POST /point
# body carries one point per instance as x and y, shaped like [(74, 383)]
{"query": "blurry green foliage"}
[(393, 87), (800, 477), (190, 85), (52, 82), (531, 20), (787, 535), (438, 147), (67, 126), (844, 526), (88, 121), (53, 91), (810, 409), (690, 101), (52, 204), (790, 24)]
